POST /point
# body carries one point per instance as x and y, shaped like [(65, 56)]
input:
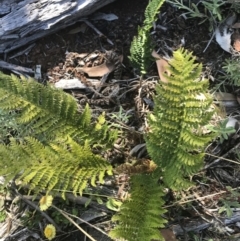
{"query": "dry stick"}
[(82, 220), (102, 82), (200, 198), (6, 65), (97, 31), (210, 40), (223, 157), (74, 223), (38, 209)]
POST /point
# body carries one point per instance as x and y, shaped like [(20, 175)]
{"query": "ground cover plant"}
[(63, 148)]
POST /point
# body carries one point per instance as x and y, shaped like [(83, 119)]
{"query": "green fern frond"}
[(141, 46), (140, 216), (140, 51), (182, 107), (50, 112), (151, 12), (63, 165)]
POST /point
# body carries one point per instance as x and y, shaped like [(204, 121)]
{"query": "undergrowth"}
[(50, 146)]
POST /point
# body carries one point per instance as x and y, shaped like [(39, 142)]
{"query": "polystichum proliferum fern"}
[(55, 153), (141, 46), (175, 141)]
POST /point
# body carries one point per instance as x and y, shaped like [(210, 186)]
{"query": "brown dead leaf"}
[(224, 96), (236, 44), (236, 25), (168, 234), (98, 71), (162, 66)]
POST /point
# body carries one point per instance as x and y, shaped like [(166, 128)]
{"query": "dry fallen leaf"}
[(236, 25), (162, 66), (236, 44), (98, 71), (168, 235)]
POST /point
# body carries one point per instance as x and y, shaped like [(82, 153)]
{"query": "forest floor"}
[(208, 211)]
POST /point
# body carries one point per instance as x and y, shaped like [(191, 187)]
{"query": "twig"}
[(30, 203), (210, 40), (82, 220), (223, 157), (102, 82), (9, 66), (74, 223), (25, 51), (97, 31)]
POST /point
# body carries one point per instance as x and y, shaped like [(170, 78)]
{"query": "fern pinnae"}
[(151, 12), (49, 111), (53, 166), (140, 215), (184, 110)]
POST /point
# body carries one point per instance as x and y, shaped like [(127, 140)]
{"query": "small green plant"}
[(31, 219), (230, 202), (212, 11), (231, 68), (222, 130), (121, 116), (213, 7), (191, 10), (235, 5)]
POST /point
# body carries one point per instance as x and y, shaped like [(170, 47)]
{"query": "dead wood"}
[(24, 21)]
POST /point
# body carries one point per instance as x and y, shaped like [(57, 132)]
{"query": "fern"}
[(141, 47), (50, 111), (54, 153), (151, 12), (182, 107), (63, 165), (140, 216)]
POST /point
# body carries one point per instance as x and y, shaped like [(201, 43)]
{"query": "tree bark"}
[(24, 21)]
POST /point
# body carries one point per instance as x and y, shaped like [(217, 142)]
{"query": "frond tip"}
[(140, 216), (141, 46)]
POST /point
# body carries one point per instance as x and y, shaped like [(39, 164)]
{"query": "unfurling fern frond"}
[(50, 111), (140, 216), (182, 107), (141, 47), (63, 165)]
